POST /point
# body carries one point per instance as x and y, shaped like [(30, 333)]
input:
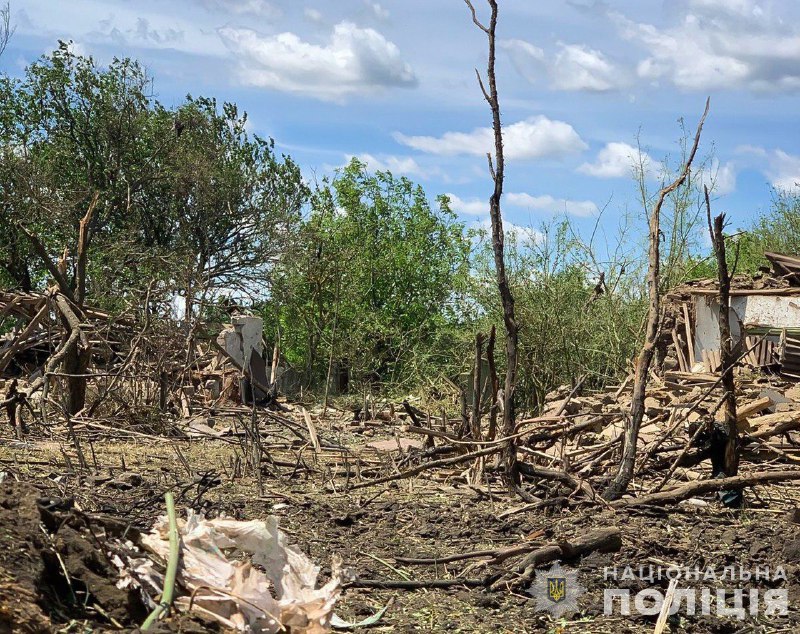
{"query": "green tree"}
[(375, 282)]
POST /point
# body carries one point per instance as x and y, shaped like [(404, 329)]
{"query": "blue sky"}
[(392, 81)]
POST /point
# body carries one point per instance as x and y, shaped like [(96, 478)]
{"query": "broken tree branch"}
[(622, 479)]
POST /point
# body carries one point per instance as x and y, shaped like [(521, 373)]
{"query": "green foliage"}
[(188, 201), (776, 231), (374, 282), (567, 328)]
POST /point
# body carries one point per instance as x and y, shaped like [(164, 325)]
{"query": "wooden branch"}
[(603, 540), (483, 90), (475, 417), (730, 463), (492, 432), (434, 464), (684, 491), (495, 555), (621, 480), (561, 476), (83, 246), (475, 17), (41, 251), (19, 341), (418, 584)]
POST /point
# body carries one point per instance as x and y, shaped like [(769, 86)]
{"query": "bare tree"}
[(496, 169), (6, 30), (729, 463), (624, 474)]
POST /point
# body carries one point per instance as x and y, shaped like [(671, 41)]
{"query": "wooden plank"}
[(689, 336), (312, 431), (679, 351), (755, 407)]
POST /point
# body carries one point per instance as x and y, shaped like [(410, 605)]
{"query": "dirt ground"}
[(55, 577)]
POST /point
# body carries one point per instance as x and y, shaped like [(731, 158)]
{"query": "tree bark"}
[(475, 418), (492, 432), (624, 473), (498, 248), (729, 463)]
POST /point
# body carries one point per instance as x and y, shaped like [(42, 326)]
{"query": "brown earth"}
[(57, 520)]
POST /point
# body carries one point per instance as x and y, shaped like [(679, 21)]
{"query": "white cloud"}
[(377, 10), (720, 179), (582, 208), (573, 67), (259, 8), (537, 137), (720, 44), (526, 58), (354, 61), (390, 163), (577, 67), (480, 206), (472, 207), (312, 14), (784, 170), (617, 160), (781, 168)]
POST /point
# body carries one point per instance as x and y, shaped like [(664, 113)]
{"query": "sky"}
[(582, 84)]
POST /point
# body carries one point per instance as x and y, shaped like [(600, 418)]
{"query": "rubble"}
[(212, 416)]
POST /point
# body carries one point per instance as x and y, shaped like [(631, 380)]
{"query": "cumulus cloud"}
[(471, 207), (577, 67), (617, 160), (720, 179), (526, 58), (784, 170), (390, 163), (353, 61), (581, 208), (534, 138), (573, 67), (719, 44)]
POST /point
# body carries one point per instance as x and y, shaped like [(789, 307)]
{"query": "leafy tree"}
[(233, 205), (72, 130), (571, 322), (185, 197), (375, 281)]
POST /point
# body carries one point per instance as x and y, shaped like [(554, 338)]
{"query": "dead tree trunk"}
[(475, 418), (729, 463), (498, 247), (624, 474), (494, 406), (69, 301)]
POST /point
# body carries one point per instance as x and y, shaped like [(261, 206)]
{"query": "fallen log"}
[(602, 540), (684, 491)]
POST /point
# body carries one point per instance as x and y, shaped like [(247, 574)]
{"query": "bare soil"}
[(54, 518)]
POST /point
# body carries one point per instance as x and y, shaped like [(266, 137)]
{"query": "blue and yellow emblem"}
[(556, 589)]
